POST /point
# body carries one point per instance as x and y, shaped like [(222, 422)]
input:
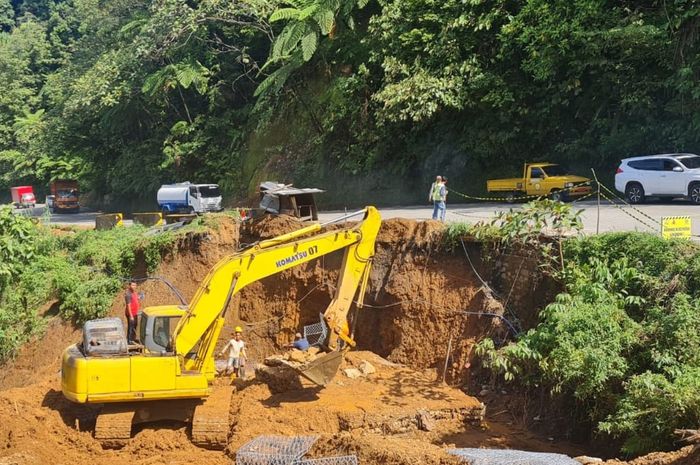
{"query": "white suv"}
[(670, 175)]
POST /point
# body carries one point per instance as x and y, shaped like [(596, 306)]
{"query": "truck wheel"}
[(557, 196), (694, 193), (510, 197), (634, 192)]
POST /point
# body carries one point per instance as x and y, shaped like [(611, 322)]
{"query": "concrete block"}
[(108, 221), (149, 219)]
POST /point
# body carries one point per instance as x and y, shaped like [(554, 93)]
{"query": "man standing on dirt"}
[(133, 305), (236, 352), (437, 194)]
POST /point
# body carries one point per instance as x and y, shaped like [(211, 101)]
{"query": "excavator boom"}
[(199, 328)]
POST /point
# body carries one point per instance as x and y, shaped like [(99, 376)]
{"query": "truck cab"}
[(65, 196)]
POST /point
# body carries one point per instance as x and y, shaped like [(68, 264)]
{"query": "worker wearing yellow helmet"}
[(236, 352)]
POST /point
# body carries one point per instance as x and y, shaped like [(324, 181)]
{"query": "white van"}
[(185, 197)]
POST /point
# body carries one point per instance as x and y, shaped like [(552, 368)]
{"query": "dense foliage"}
[(620, 347), (75, 273), (126, 94)]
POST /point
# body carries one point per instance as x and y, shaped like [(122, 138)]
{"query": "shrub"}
[(18, 244), (623, 339)]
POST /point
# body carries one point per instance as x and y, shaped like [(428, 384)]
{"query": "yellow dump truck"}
[(545, 179)]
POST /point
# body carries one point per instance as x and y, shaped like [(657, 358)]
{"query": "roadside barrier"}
[(108, 221), (149, 219), (176, 218)]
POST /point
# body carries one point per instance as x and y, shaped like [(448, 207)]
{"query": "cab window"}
[(193, 191), (162, 328), (536, 173)]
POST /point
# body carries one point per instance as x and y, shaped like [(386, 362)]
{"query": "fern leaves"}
[(325, 20), (284, 14), (185, 74), (308, 45), (307, 21)]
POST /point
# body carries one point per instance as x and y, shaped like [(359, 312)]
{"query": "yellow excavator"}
[(169, 375)]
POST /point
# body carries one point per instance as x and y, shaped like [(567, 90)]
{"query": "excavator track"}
[(210, 423), (113, 427)]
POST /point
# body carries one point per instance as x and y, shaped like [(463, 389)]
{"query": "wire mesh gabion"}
[(274, 450), (282, 450), (510, 457), (341, 460), (316, 333)]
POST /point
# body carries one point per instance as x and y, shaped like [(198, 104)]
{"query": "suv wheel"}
[(634, 193), (694, 193)]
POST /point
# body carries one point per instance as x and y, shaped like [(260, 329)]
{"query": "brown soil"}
[(39, 358), (415, 310), (689, 455)]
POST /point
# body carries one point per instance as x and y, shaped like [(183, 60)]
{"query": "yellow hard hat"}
[(238, 329)]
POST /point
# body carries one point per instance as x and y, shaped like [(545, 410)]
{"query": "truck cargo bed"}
[(505, 185)]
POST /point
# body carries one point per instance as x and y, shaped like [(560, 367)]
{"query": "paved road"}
[(612, 218), (83, 218)]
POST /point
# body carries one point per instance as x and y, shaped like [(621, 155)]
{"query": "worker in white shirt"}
[(236, 352)]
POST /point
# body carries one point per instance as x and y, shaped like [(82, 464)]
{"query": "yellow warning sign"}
[(675, 227)]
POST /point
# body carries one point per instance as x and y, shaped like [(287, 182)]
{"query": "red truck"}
[(23, 196), (65, 196)]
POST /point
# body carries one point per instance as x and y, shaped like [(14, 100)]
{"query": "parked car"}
[(668, 175)]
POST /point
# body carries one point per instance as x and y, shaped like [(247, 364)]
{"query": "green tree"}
[(7, 15)]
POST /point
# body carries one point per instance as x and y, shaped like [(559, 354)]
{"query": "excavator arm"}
[(199, 329)]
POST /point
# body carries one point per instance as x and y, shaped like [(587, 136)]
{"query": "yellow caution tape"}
[(653, 228), (629, 205), (514, 198)]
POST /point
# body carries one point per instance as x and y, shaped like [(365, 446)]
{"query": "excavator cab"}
[(157, 326)]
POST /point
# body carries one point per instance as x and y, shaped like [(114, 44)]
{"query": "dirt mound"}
[(399, 232), (39, 426), (384, 450), (39, 358), (689, 455), (270, 226), (385, 401)]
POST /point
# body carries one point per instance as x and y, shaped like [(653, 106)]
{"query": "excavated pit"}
[(424, 311)]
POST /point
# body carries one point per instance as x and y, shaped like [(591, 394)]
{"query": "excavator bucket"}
[(322, 370)]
